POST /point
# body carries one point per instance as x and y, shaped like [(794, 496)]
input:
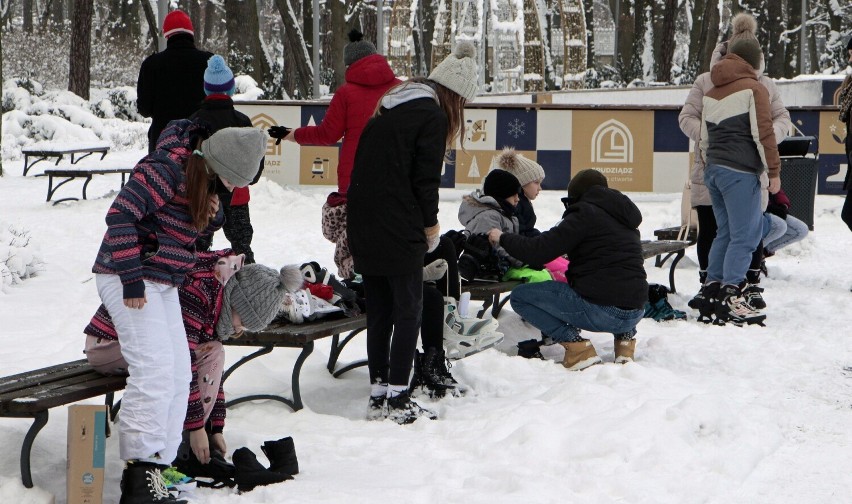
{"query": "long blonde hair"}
[(450, 102), (200, 185)]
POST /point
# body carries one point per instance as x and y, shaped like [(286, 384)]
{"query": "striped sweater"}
[(150, 235), (200, 303)]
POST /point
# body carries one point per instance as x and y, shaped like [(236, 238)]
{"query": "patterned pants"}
[(334, 230)]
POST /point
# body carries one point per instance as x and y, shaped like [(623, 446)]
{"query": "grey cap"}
[(747, 49), (256, 293), (459, 72), (357, 48), (235, 153)]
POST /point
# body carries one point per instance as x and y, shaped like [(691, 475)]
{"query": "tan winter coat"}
[(690, 124)]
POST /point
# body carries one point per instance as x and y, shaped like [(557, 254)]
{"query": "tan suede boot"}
[(579, 355), (624, 350)]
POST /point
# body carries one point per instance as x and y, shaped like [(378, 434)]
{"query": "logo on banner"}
[(264, 122), (612, 142)]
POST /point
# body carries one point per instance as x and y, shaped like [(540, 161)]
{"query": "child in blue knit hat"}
[(217, 112)]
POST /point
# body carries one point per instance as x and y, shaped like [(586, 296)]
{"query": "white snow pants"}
[(153, 342)]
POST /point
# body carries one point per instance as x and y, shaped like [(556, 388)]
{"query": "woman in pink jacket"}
[(743, 26), (368, 76)]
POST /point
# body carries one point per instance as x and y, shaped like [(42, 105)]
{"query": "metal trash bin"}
[(799, 180)]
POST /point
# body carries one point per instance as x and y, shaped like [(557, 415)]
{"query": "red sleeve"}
[(332, 127)]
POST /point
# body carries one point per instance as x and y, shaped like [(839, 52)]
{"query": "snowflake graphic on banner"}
[(516, 128)]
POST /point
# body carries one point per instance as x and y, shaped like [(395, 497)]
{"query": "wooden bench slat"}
[(479, 291), (300, 334), (53, 387), (654, 248), (56, 152), (94, 387), (44, 375)]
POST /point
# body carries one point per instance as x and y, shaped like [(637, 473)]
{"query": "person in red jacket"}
[(368, 76)]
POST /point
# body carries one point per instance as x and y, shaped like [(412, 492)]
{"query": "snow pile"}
[(18, 258)]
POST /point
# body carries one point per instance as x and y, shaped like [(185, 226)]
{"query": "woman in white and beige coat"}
[(744, 26)]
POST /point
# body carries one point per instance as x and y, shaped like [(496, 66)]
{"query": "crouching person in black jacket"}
[(606, 289)]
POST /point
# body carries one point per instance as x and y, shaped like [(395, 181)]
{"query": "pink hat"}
[(177, 21)]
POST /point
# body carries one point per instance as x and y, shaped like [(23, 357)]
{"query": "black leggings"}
[(394, 308), (846, 213), (707, 233)]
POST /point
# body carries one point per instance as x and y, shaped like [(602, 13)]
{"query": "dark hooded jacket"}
[(599, 235), (171, 84)]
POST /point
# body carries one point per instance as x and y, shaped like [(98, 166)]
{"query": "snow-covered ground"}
[(706, 414)]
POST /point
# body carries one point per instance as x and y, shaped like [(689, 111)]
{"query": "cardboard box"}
[(86, 453)]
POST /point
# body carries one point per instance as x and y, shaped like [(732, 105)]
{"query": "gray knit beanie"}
[(458, 72), (526, 170), (357, 48), (583, 180), (235, 153), (256, 293), (747, 49)]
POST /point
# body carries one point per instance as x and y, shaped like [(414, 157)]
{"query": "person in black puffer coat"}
[(171, 83), (607, 287)]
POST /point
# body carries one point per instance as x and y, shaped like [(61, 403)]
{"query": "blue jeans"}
[(739, 220), (784, 232), (559, 312)]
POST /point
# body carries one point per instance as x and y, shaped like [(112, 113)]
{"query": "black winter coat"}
[(526, 216), (217, 112), (171, 84), (600, 237), (393, 194)]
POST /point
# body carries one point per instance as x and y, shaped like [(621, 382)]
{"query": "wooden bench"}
[(70, 175), (492, 292), (32, 394), (286, 335), (59, 153)]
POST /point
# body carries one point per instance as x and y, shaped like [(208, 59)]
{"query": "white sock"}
[(378, 389), (395, 390)]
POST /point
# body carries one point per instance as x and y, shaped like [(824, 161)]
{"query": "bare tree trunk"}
[(245, 54), (667, 39), (426, 21), (709, 35), (151, 19), (338, 41), (775, 51), (1, 80), (695, 41), (794, 40), (81, 45), (589, 7), (28, 16), (209, 16), (57, 14), (297, 51), (194, 10)]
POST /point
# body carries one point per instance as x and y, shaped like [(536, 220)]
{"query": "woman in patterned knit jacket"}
[(148, 248), (254, 296)]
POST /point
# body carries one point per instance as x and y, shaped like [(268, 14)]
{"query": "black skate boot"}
[(435, 377), (753, 293), (402, 410), (282, 456), (705, 301), (250, 472), (732, 307), (217, 473), (142, 483)]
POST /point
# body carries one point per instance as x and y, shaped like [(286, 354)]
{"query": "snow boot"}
[(752, 293), (402, 410), (579, 355), (435, 377), (732, 307), (281, 455), (142, 483), (624, 350), (250, 472), (530, 349)]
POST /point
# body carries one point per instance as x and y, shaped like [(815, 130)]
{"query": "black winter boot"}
[(402, 410), (250, 473), (436, 377), (142, 483), (219, 470), (281, 455), (753, 293)]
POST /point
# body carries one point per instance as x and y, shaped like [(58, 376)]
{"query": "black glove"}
[(278, 132), (779, 210)]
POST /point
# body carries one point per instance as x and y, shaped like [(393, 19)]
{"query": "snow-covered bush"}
[(19, 258)]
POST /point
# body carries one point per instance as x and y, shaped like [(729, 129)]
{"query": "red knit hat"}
[(177, 21)]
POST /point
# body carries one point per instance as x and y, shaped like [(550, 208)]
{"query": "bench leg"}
[(678, 256), (38, 423), (81, 157), (498, 305), (86, 185), (336, 348), (51, 190), (487, 304), (296, 402)]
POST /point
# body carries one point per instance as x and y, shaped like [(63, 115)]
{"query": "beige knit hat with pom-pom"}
[(743, 25), (525, 170), (459, 72)]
